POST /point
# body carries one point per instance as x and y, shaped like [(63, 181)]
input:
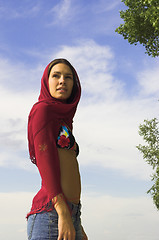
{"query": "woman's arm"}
[(47, 159), (65, 224)]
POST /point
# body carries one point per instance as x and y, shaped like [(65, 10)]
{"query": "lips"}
[(62, 89)]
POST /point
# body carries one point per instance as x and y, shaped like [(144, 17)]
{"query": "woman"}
[(55, 212)]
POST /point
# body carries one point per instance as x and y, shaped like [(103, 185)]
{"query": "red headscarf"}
[(57, 108)]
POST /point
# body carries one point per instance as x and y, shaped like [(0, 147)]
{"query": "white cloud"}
[(103, 6), (18, 77), (25, 11), (62, 12), (106, 124), (108, 134), (106, 127), (14, 207), (148, 80), (106, 217), (13, 127), (103, 217), (95, 65), (16, 101)]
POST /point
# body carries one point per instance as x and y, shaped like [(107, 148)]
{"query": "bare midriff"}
[(70, 176)]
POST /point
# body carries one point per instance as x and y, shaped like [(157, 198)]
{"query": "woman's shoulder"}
[(42, 115), (42, 109), (43, 112)]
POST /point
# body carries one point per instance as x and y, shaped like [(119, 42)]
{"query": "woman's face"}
[(61, 81)]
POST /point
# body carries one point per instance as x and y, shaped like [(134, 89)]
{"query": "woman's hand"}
[(84, 235), (66, 228)]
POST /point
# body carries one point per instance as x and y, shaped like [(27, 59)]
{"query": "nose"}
[(62, 79)]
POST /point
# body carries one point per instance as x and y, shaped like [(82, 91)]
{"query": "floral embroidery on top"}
[(42, 147)]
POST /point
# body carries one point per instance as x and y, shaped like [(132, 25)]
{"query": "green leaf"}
[(150, 132), (141, 24)]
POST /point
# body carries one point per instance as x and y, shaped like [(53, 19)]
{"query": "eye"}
[(68, 77), (55, 75)]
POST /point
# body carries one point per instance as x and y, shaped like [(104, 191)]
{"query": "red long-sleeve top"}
[(47, 159)]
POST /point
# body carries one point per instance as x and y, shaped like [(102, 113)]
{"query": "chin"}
[(63, 98)]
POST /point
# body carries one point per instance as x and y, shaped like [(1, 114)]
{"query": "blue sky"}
[(119, 90)]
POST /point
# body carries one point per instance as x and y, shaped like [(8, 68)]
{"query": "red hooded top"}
[(44, 123)]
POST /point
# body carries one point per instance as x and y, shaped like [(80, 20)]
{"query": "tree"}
[(150, 133), (141, 24)]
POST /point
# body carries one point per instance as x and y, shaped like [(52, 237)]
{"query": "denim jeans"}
[(44, 225)]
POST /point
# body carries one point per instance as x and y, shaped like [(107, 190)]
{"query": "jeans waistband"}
[(75, 208)]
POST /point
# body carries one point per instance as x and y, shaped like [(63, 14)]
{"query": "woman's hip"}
[(44, 225)]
